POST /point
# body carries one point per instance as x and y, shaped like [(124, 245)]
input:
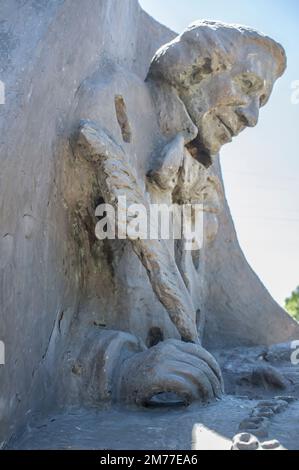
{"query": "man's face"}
[(224, 104)]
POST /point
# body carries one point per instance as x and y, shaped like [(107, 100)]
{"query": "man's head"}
[(223, 74)]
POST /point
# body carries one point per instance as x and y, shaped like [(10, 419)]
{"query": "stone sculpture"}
[(81, 319), (204, 88)]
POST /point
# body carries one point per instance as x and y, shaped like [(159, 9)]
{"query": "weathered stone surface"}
[(141, 428), (94, 373), (197, 80), (240, 365), (245, 441), (264, 412), (255, 425), (63, 62), (286, 398), (279, 353), (184, 369), (268, 377), (212, 427), (219, 102), (206, 64), (276, 405), (48, 49), (272, 445)]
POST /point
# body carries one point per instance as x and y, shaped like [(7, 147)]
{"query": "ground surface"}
[(256, 379), (168, 428)]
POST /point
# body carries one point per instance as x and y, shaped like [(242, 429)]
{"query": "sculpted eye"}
[(249, 83)]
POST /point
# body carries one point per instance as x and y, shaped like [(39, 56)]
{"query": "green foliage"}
[(292, 304)]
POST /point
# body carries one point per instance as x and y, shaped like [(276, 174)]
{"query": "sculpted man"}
[(203, 88)]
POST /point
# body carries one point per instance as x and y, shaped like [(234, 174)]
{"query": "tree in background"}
[(292, 304)]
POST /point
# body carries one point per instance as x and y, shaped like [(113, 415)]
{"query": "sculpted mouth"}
[(227, 127)]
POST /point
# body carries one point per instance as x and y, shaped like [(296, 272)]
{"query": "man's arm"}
[(117, 179)]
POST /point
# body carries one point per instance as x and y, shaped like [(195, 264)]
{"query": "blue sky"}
[(261, 166)]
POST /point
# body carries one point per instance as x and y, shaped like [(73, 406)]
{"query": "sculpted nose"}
[(249, 114)]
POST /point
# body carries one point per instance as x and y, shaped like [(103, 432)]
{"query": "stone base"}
[(154, 428)]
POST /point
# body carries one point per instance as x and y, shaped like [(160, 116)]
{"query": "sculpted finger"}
[(198, 363), (193, 375), (198, 351)]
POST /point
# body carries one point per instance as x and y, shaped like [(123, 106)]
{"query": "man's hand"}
[(166, 175), (185, 369)]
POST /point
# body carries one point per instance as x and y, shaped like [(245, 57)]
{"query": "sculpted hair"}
[(207, 47)]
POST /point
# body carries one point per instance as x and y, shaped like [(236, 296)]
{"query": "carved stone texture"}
[(206, 86), (245, 441), (60, 286), (117, 179), (221, 74), (184, 369)]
